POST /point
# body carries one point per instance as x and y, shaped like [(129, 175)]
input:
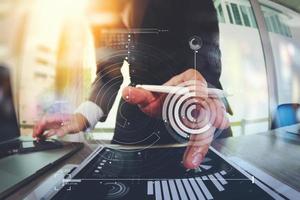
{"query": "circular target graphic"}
[(187, 113), (195, 43), (116, 190)]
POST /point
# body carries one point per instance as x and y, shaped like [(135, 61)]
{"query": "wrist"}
[(82, 122), (91, 113)]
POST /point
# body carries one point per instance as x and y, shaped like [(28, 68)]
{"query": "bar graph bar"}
[(181, 189), (158, 195), (150, 188), (189, 189), (174, 193), (216, 182), (223, 172), (186, 188), (196, 188), (220, 178), (204, 188), (165, 189)]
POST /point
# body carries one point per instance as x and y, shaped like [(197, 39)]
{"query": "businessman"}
[(164, 58)]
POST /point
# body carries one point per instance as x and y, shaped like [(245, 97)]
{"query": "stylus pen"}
[(212, 92)]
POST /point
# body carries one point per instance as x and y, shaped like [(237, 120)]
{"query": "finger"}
[(199, 144), (218, 114), (138, 96), (197, 149), (154, 108), (34, 131), (194, 155), (50, 133), (196, 83), (42, 125), (192, 74), (212, 111), (67, 127), (199, 90), (48, 122), (221, 121)]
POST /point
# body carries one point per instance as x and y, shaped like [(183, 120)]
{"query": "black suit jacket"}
[(156, 55)]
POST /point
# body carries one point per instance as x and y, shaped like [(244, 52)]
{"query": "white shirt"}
[(91, 111)]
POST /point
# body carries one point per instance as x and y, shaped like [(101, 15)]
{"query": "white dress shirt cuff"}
[(91, 111)]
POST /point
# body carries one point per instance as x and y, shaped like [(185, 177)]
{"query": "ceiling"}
[(292, 4)]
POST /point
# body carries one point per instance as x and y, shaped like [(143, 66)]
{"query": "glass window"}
[(220, 14), (281, 31), (285, 30), (286, 49), (244, 12), (276, 20), (268, 23), (229, 14), (288, 30), (50, 76), (275, 24), (252, 19), (243, 72), (236, 14)]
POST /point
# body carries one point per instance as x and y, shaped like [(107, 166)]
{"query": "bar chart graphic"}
[(186, 188)]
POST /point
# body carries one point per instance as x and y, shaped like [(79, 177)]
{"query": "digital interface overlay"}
[(115, 174)]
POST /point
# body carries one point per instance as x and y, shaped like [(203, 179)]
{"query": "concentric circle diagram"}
[(116, 190), (195, 43), (188, 113)]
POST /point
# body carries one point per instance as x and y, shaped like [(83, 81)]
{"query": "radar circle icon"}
[(186, 113), (116, 190), (195, 43)]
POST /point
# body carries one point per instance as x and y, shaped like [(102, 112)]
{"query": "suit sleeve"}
[(108, 81)]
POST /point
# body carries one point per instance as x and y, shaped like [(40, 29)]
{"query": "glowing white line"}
[(212, 92), (165, 89)]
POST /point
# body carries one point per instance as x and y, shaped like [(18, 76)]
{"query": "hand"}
[(59, 124), (151, 104)]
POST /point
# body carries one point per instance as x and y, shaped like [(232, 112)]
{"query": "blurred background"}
[(51, 47)]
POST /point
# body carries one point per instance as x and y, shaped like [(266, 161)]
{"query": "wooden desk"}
[(275, 152)]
